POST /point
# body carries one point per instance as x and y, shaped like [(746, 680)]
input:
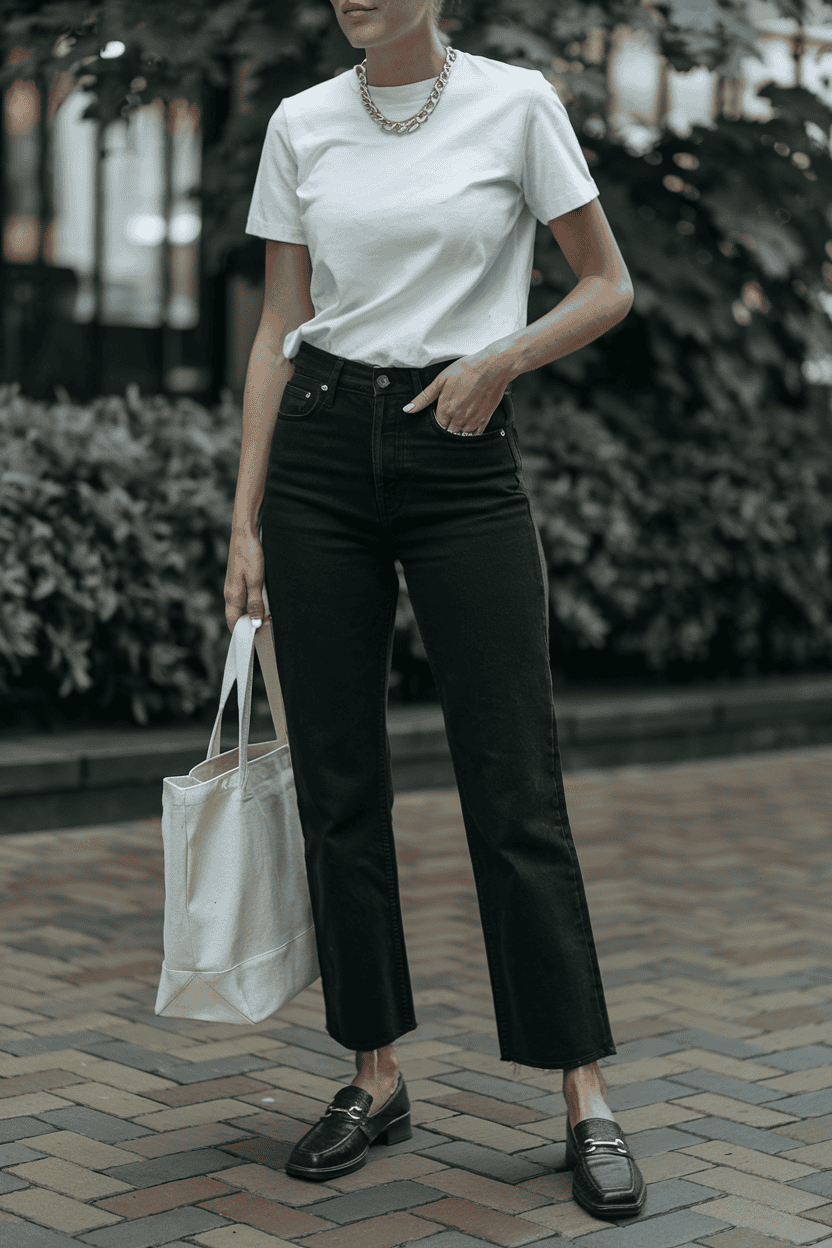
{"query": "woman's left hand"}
[(466, 393)]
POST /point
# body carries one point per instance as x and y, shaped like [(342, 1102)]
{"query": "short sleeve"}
[(274, 211), (555, 176)]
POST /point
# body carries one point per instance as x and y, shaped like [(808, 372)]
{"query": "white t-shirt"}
[(420, 244)]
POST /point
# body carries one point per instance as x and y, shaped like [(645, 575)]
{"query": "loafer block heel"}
[(606, 1181), (339, 1142), (398, 1131)]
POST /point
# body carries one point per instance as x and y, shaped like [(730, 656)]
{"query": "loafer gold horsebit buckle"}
[(336, 1109), (590, 1145)]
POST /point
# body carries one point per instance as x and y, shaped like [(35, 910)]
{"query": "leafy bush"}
[(681, 544), (679, 465), (695, 546), (682, 462), (114, 527)]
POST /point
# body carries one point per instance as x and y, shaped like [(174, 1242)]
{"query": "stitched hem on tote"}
[(226, 970)]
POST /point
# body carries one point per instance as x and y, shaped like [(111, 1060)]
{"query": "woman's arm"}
[(602, 297), (470, 388), (286, 305)]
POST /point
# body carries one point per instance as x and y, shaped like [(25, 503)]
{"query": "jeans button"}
[(383, 380)]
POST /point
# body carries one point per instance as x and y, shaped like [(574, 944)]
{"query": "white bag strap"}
[(239, 667)]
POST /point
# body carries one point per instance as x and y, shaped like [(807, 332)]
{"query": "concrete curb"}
[(93, 776)]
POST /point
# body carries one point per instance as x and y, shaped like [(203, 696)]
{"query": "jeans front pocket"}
[(502, 419), (299, 400)]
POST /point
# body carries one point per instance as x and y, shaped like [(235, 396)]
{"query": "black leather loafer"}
[(606, 1182), (340, 1141)]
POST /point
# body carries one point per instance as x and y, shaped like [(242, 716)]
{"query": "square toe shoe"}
[(340, 1141), (606, 1181)]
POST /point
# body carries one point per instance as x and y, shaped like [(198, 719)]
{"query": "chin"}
[(360, 38)]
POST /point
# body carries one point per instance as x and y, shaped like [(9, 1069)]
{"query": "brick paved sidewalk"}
[(709, 889)]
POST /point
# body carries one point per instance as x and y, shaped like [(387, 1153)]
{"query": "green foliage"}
[(702, 553), (114, 528), (167, 47), (683, 462), (173, 51), (680, 465), (668, 547), (114, 524)]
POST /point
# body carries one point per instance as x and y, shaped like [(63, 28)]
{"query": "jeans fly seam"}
[(378, 459)]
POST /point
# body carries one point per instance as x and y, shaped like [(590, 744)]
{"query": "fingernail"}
[(409, 407)]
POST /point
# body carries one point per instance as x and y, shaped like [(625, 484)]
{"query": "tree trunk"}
[(96, 335)]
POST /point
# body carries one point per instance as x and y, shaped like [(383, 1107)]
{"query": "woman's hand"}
[(466, 393), (243, 591)]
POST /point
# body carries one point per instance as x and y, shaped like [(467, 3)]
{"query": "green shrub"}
[(682, 462), (114, 527), (679, 544), (687, 548)]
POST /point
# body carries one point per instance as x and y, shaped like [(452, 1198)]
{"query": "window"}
[(146, 208)]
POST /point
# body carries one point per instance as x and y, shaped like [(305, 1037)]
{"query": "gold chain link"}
[(414, 122)]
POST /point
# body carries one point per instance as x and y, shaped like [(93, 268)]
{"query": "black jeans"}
[(353, 484)]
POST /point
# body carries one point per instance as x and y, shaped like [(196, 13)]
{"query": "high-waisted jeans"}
[(354, 483)]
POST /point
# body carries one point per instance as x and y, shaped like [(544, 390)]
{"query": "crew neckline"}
[(422, 86)]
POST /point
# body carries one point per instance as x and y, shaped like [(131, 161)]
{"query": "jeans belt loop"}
[(330, 386), (416, 380)]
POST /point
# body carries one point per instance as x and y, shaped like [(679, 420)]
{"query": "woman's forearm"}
[(266, 378), (592, 307)]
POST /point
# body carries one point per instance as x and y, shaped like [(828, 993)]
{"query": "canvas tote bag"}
[(238, 932)]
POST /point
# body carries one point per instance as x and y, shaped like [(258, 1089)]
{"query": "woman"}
[(378, 425)]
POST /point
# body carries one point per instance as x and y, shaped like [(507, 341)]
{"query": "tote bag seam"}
[(188, 885), (182, 989), (226, 970), (196, 783), (230, 1004)]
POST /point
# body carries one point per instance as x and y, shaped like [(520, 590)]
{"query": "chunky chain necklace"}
[(414, 122)]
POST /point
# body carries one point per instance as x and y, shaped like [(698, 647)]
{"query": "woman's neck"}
[(413, 58)]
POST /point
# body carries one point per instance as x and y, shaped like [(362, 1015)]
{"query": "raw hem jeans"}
[(354, 483)]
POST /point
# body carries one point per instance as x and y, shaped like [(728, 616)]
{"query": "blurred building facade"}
[(162, 322)]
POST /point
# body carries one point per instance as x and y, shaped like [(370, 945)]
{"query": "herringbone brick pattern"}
[(709, 886)]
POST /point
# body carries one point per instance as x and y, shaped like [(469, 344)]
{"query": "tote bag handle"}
[(239, 667), (264, 643)]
